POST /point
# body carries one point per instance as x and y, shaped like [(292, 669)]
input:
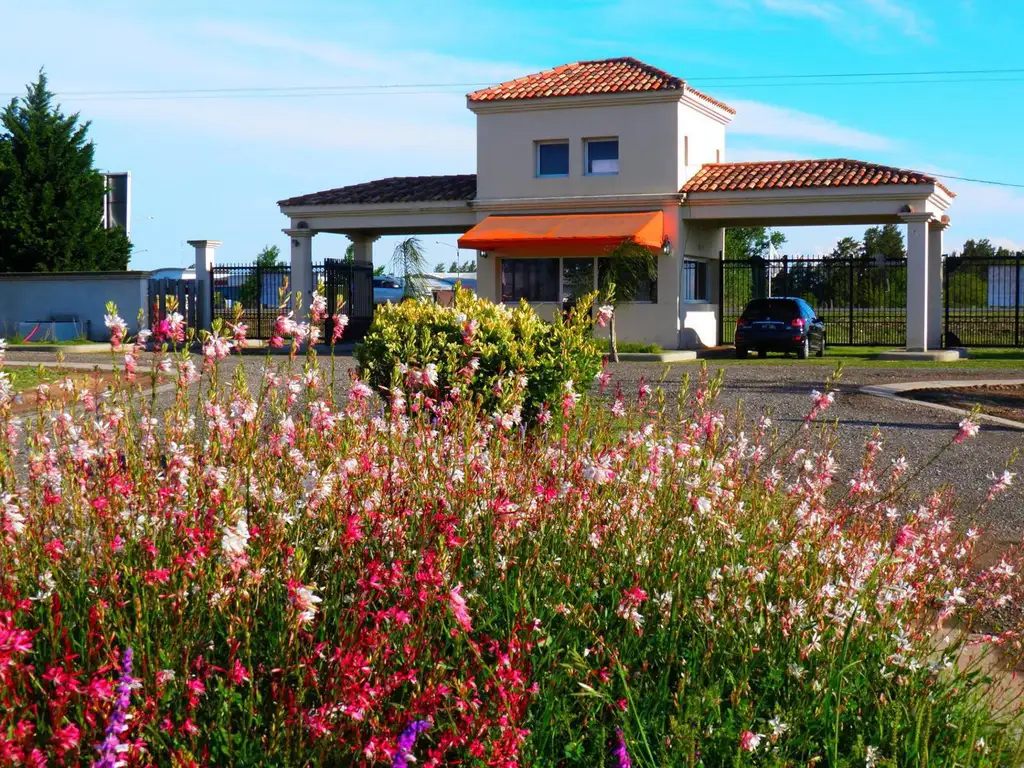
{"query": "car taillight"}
[(739, 322), (797, 322)]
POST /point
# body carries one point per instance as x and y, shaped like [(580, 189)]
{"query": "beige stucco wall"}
[(701, 140), (647, 133)]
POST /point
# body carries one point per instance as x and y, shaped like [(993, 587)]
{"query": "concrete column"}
[(363, 247), (301, 280), (917, 280), (204, 279), (936, 319)]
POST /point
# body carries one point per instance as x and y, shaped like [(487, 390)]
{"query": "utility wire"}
[(730, 81)]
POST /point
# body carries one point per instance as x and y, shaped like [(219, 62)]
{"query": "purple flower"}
[(111, 748), (406, 742), (620, 751)]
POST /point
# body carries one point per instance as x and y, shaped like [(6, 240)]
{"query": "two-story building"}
[(574, 160)]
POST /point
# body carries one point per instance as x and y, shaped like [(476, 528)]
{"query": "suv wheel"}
[(821, 349), (741, 353), (804, 350)]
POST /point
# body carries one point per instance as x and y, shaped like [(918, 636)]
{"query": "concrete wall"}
[(506, 155), (35, 297)]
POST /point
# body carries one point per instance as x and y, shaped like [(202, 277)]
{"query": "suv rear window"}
[(777, 309)]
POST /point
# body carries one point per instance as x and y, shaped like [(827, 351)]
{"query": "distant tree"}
[(439, 267), (51, 196), (847, 248), (884, 243), (751, 242), (350, 254), (252, 290), (409, 261)]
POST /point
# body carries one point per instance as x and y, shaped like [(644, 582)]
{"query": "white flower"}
[(871, 757), (235, 541)]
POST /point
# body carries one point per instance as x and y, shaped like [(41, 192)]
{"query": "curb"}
[(68, 349), (668, 356), (894, 392)]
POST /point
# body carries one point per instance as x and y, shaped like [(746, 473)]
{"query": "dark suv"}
[(779, 325)]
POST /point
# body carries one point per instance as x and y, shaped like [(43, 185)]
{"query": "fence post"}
[(945, 297), (721, 297), (1016, 303), (204, 279), (853, 298)]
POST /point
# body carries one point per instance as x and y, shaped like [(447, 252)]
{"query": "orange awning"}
[(589, 233)]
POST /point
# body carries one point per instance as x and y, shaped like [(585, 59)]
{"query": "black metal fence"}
[(166, 295), (348, 287), (259, 290), (984, 298), (862, 300)]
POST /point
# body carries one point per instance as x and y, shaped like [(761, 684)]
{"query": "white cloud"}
[(754, 118), (808, 8), (875, 19), (904, 18)]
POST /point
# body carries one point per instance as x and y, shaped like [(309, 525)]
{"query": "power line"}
[(730, 81), (978, 181)]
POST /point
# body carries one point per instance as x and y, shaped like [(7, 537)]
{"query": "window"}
[(695, 280), (577, 278), (530, 279), (552, 158), (602, 157), (647, 291), (718, 156), (686, 150)]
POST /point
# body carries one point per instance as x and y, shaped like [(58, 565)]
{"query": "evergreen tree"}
[(51, 197), (884, 243)]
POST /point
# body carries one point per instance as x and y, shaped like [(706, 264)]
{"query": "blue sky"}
[(214, 167)]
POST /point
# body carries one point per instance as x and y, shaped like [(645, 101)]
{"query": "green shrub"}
[(638, 346), (416, 337)]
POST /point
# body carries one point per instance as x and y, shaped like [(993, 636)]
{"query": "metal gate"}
[(166, 295), (349, 289), (862, 300), (259, 291), (983, 301)]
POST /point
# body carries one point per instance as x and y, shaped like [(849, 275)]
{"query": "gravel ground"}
[(783, 390)]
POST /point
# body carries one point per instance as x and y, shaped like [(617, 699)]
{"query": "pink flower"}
[(968, 429), (749, 741), (458, 605), (67, 738), (604, 314), (340, 324)]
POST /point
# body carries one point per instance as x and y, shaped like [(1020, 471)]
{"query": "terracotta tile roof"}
[(582, 78), (839, 172), (397, 189)]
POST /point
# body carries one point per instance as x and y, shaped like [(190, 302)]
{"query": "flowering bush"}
[(272, 576), (471, 347)]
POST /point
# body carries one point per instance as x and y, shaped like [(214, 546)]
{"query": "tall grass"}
[(304, 579)]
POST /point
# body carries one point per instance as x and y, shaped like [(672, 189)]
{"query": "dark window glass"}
[(530, 279), (577, 278), (776, 309), (603, 156), (553, 159), (646, 291), (695, 280)]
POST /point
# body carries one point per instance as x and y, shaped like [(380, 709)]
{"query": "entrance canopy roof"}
[(581, 233)]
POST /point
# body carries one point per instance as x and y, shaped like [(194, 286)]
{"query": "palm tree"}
[(627, 268), (409, 261)]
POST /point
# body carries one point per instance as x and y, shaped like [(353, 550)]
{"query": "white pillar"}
[(362, 249), (301, 280), (917, 280), (204, 281), (936, 320)]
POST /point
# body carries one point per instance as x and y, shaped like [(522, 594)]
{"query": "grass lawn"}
[(23, 378), (978, 359)]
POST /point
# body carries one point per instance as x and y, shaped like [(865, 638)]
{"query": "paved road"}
[(918, 431), (784, 389)]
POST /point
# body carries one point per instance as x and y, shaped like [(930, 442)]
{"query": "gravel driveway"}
[(783, 389)]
